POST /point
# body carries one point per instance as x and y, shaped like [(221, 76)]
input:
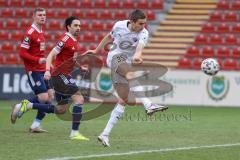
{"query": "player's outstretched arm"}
[(25, 55), (137, 57), (49, 60), (102, 44)]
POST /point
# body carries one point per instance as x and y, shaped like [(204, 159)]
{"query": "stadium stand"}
[(97, 18), (203, 29), (190, 31)]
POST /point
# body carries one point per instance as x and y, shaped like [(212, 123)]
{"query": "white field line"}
[(144, 151)]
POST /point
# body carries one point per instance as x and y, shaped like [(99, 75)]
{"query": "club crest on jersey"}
[(135, 39), (42, 46)]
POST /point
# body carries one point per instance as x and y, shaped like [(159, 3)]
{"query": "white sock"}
[(36, 123), (73, 133), (146, 102), (115, 115), (142, 97), (29, 105)]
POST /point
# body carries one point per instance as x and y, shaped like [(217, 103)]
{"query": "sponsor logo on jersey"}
[(135, 39), (26, 40), (42, 46)]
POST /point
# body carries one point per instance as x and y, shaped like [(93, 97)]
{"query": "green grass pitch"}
[(134, 137)]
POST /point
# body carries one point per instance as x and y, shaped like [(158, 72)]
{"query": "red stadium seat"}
[(54, 25), (4, 3), (236, 5), (184, 63), (208, 28), (1, 25), (109, 26), (236, 28), (21, 13), (236, 52), (86, 4), (216, 16), (98, 26), (30, 3), (58, 4), (230, 64), (201, 39), (85, 25), (88, 37), (100, 36), (50, 13), (106, 14), (20, 61), (157, 4), (71, 4), (101, 52), (223, 52), (230, 16), (128, 4), (91, 14), (63, 13), (11, 24), (223, 5), (208, 52), (17, 35), (193, 51), (12, 59), (120, 15), (57, 35), (215, 39), (223, 28), (7, 47), (100, 4), (6, 12), (79, 13), (16, 47), (4, 35), (82, 48), (150, 15), (2, 59), (197, 63), (114, 4), (231, 39), (25, 23), (92, 46), (143, 4), (15, 3), (44, 3)]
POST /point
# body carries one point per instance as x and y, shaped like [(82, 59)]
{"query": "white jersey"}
[(125, 41)]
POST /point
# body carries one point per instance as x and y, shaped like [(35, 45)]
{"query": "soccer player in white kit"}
[(129, 38)]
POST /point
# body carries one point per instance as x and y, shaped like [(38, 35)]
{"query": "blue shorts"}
[(37, 82), (64, 87)]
